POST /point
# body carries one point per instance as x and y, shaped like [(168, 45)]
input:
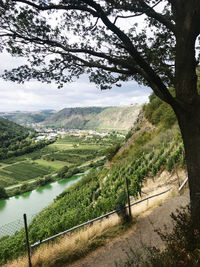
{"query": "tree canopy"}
[(64, 39)]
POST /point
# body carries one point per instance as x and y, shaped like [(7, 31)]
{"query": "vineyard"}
[(97, 193), (71, 151), (147, 151)]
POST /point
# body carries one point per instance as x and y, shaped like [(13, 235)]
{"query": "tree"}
[(3, 193), (65, 38)]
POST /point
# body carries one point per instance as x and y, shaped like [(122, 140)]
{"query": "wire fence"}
[(14, 226), (96, 219)]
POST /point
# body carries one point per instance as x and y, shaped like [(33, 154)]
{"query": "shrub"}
[(129, 134), (111, 151), (3, 193), (170, 164), (159, 112), (143, 138), (62, 171)]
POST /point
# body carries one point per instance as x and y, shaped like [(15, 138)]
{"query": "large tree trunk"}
[(187, 108), (189, 123)]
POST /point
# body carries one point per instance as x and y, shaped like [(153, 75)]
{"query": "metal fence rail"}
[(183, 184), (96, 219)]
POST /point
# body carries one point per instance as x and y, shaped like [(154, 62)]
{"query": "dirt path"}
[(142, 233)]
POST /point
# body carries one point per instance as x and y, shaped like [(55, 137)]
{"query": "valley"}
[(146, 151), (68, 155)]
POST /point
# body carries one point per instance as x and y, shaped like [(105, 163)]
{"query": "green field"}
[(71, 151), (54, 164), (23, 171)]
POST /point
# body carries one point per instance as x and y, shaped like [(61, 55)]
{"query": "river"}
[(31, 203)]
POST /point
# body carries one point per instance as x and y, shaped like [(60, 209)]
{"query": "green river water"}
[(31, 203)]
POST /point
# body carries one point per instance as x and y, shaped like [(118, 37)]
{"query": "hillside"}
[(73, 118), (148, 151), (26, 118), (10, 132), (15, 142), (96, 118)]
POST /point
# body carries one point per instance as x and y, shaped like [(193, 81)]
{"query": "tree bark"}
[(189, 123), (187, 108)]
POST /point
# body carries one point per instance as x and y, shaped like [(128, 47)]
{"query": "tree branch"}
[(58, 7), (100, 66), (143, 8), (152, 78), (126, 17)]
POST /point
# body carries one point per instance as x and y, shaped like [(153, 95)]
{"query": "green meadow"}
[(71, 151)]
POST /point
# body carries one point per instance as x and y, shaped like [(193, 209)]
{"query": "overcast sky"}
[(33, 95)]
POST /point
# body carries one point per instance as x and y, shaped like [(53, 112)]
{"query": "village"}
[(50, 133)]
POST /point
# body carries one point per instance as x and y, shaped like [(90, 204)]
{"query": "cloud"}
[(34, 95)]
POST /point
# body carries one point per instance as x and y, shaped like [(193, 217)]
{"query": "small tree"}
[(111, 151), (3, 193), (63, 171)]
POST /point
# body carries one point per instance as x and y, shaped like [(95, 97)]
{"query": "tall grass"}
[(72, 247)]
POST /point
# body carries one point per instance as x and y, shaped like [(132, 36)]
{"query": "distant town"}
[(50, 133)]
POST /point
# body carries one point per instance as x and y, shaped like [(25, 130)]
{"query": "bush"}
[(183, 244), (159, 112), (143, 138), (3, 193), (62, 171), (111, 151), (170, 164), (129, 134)]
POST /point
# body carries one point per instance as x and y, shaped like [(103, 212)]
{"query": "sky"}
[(34, 95)]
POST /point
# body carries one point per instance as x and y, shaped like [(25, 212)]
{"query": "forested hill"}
[(10, 132), (99, 118), (15, 140)]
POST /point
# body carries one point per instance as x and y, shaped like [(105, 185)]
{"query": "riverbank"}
[(29, 186), (31, 203)]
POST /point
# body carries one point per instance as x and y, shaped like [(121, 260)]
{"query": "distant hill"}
[(99, 118), (73, 118), (96, 118), (27, 118)]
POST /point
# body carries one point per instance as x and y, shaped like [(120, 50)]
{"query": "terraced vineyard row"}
[(97, 193)]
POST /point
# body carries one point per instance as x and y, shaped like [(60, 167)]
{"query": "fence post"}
[(128, 197), (27, 241)]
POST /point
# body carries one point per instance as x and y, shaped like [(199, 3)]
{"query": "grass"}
[(45, 161), (53, 164), (59, 146), (77, 245), (25, 171)]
